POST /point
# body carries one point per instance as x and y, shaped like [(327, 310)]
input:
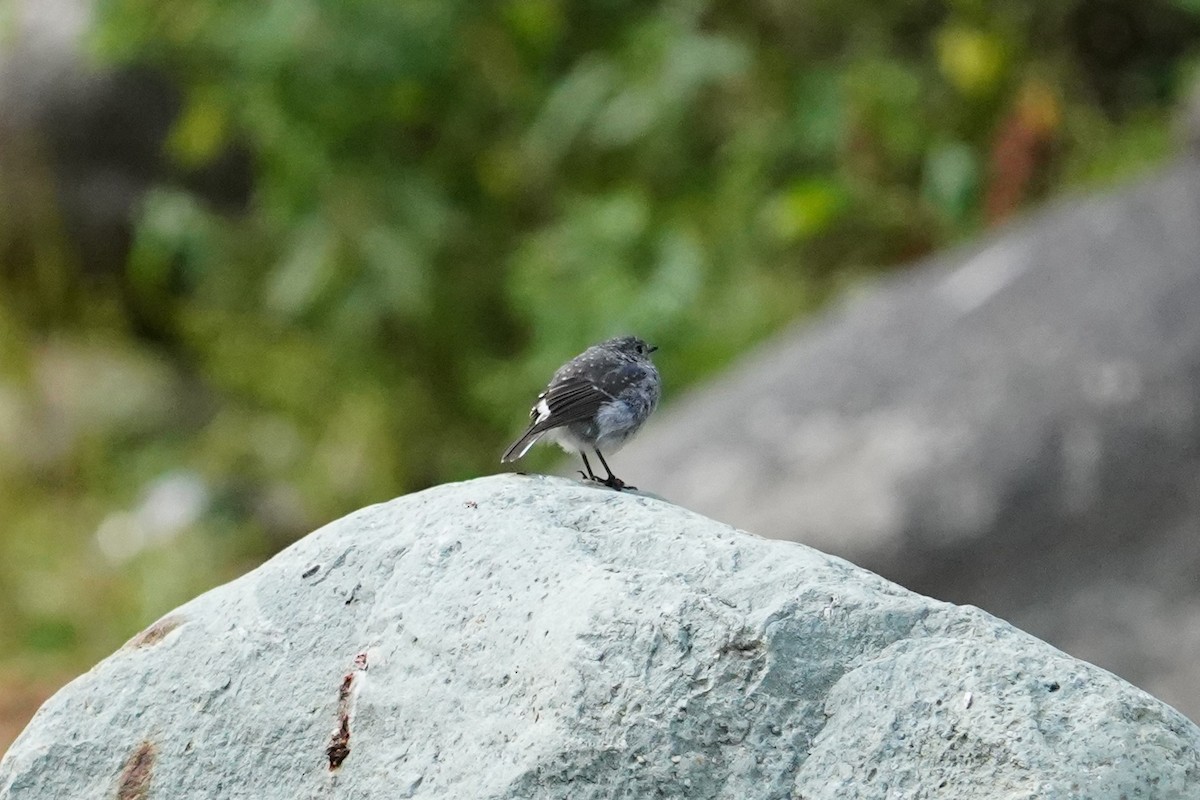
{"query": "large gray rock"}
[(527, 637), (1016, 426)]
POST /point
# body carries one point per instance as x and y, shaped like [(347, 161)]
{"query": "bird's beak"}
[(652, 348)]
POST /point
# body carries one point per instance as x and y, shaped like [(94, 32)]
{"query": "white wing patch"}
[(542, 410)]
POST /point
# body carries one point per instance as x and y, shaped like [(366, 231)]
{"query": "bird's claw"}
[(612, 481)]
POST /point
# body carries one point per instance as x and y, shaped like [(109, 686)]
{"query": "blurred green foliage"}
[(451, 197)]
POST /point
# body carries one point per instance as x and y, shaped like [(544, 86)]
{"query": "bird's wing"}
[(570, 400), (566, 400), (576, 399), (573, 398)]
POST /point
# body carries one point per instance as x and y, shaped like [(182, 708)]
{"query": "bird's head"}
[(631, 346)]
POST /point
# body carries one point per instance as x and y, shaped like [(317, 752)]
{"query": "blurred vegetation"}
[(444, 199)]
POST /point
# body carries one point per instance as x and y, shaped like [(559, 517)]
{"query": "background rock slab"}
[(1015, 425), (516, 637)]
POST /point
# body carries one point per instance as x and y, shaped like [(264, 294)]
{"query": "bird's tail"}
[(521, 446)]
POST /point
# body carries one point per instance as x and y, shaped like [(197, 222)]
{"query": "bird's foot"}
[(613, 482)]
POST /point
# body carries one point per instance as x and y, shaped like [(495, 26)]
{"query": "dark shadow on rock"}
[(81, 143)]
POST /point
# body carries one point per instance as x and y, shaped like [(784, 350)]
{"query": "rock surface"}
[(1015, 426), (529, 637)]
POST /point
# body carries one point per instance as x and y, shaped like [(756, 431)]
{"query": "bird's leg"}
[(612, 481), (591, 476)]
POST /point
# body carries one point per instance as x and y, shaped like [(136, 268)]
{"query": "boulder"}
[(1014, 425), (532, 637)]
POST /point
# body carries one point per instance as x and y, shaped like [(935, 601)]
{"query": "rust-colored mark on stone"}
[(339, 744), (135, 778), (339, 747), (155, 633)]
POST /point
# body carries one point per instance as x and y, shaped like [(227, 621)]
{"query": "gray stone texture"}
[(532, 637), (1016, 426)]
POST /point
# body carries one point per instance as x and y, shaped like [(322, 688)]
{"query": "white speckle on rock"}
[(985, 275)]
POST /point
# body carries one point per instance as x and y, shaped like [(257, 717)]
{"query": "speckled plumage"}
[(596, 401)]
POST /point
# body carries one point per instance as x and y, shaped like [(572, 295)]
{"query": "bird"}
[(596, 401)]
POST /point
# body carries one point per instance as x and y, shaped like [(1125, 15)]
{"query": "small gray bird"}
[(595, 401)]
